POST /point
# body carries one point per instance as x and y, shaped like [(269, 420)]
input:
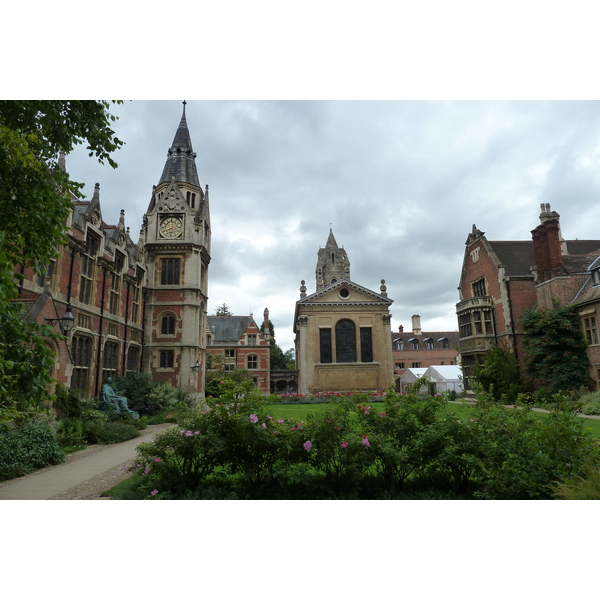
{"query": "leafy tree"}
[(499, 374), (555, 349), (35, 201), (223, 310)]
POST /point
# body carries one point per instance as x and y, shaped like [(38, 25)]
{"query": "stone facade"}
[(342, 331), (176, 238)]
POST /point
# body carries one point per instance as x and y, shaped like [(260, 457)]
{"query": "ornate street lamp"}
[(66, 323)]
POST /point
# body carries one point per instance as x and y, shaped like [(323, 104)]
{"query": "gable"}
[(345, 292)]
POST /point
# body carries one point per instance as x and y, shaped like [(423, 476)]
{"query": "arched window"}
[(81, 352), (345, 341), (167, 325), (167, 359), (110, 360)]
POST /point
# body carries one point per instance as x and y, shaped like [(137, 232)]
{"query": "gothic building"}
[(93, 293), (176, 240), (122, 305), (342, 330)]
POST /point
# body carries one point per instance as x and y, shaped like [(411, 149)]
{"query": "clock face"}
[(171, 227)]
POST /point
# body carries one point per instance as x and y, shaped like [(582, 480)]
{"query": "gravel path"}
[(92, 488)]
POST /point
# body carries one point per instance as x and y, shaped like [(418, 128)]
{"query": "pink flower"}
[(292, 429), (344, 444), (188, 434), (196, 433), (269, 417), (182, 431), (264, 425), (253, 418), (280, 420), (337, 428), (275, 432), (154, 492), (307, 445), (168, 417), (366, 442), (382, 414), (157, 459), (147, 470)]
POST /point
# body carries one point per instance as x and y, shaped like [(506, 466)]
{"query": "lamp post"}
[(66, 323)]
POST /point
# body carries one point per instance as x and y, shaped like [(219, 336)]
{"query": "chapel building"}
[(342, 330)]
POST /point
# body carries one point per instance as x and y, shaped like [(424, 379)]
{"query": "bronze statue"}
[(111, 400)]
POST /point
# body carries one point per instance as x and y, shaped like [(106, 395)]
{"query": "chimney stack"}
[(416, 324)]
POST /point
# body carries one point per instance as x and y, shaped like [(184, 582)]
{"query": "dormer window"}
[(429, 343), (414, 343), (596, 276)]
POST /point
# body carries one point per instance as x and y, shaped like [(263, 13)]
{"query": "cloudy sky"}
[(401, 182)]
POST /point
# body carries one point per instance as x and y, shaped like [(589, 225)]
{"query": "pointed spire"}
[(181, 157)]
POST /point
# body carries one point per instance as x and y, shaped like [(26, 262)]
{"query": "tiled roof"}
[(181, 162), (517, 257), (227, 329), (452, 336)]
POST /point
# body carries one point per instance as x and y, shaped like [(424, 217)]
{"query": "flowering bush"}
[(350, 450)]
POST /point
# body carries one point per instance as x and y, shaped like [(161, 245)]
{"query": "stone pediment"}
[(345, 292), (172, 201)]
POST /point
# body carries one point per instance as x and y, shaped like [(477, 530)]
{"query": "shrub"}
[(145, 396), (70, 435), (580, 487), (407, 446), (26, 449), (590, 403), (499, 374), (68, 402), (109, 432)]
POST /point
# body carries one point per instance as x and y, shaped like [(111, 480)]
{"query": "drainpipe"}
[(123, 365), (512, 320), (100, 333)]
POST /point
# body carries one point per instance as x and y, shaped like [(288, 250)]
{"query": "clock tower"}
[(176, 240)]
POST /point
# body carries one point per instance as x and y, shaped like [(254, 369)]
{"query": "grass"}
[(299, 412)]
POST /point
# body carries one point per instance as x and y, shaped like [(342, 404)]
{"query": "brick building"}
[(238, 343), (129, 301), (421, 349), (97, 279), (500, 280)]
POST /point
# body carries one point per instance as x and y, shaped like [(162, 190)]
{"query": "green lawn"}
[(299, 412)]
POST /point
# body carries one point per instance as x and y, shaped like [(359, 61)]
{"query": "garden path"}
[(84, 475)]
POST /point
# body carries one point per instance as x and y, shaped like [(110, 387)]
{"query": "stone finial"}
[(383, 288), (302, 289)]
